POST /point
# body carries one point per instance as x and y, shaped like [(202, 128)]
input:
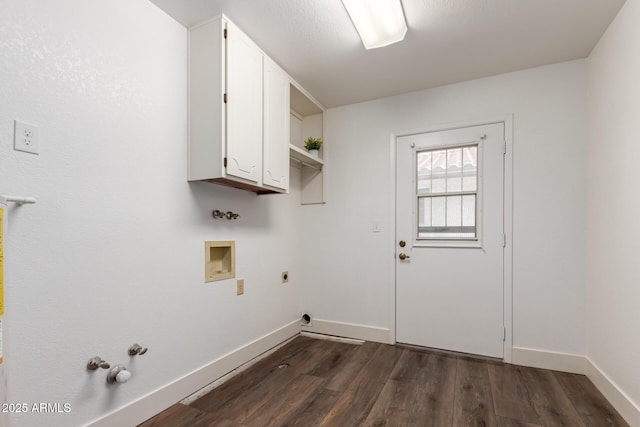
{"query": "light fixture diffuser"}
[(378, 22)]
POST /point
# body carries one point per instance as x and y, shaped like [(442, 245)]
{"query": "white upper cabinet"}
[(207, 110), (276, 126), (238, 111), (248, 117), (244, 106)]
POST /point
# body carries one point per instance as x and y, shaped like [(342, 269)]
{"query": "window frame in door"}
[(474, 243)]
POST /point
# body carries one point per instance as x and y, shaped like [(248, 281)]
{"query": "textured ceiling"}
[(448, 40)]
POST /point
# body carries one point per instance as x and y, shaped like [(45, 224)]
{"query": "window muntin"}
[(447, 193)]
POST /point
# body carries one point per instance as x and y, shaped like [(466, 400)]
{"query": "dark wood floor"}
[(322, 383)]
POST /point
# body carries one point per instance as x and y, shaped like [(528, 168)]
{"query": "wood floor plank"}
[(355, 403), (180, 415), (549, 400), (314, 356), (433, 401), (593, 408), (392, 405), (354, 363), (234, 388), (333, 359), (411, 366), (509, 422), (277, 409), (473, 404), (256, 393), (314, 410), (510, 395)]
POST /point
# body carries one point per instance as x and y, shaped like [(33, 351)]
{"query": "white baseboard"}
[(619, 399), (349, 330), (159, 400), (331, 338), (564, 362)]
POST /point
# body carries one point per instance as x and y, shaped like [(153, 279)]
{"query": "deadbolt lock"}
[(402, 243)]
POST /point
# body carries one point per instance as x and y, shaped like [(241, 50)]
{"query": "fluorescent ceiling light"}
[(379, 22)]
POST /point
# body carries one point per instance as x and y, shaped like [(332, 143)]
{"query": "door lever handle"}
[(403, 256)]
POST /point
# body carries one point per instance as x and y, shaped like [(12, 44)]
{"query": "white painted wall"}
[(348, 269), (112, 253), (613, 205)]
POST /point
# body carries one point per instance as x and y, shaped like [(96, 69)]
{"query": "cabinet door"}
[(276, 126), (244, 106)]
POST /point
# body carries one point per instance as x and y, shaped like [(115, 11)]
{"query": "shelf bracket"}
[(309, 165), (4, 199)]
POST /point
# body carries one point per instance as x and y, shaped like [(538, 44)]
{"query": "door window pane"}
[(447, 217), (424, 172), (454, 211), (424, 212), (454, 170), (447, 192), (438, 211), (469, 210), (439, 171), (469, 168)]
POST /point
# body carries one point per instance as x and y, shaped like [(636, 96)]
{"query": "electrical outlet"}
[(25, 137), (240, 287), (285, 276)]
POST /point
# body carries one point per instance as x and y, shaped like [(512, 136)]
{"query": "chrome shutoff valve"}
[(137, 350), (96, 363)]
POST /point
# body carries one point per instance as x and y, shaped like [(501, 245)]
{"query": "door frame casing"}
[(507, 210)]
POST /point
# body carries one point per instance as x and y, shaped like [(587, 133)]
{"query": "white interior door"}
[(449, 217)]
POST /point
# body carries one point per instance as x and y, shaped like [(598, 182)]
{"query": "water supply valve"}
[(118, 375)]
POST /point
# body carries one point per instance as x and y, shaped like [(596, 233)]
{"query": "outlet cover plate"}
[(25, 137)]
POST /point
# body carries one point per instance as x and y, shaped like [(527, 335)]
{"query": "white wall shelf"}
[(302, 156), (306, 120)]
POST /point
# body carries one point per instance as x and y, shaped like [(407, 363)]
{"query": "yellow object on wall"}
[(219, 260), (1, 291), (1, 263)]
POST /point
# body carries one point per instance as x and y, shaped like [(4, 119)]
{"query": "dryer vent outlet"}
[(305, 320)]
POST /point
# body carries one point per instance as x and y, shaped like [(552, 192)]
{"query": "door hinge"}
[(225, 33), (504, 334), (225, 98), (504, 240), (225, 162), (505, 147)]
